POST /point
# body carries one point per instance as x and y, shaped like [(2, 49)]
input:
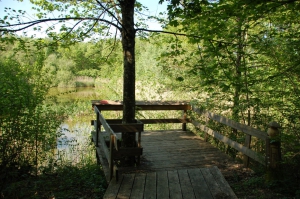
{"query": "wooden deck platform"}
[(176, 149), (204, 183), (173, 162)]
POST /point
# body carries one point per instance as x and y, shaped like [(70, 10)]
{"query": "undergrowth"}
[(67, 182)]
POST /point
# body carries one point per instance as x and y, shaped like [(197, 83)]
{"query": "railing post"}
[(97, 127), (247, 143), (267, 149), (111, 160), (184, 118), (273, 152), (206, 134)]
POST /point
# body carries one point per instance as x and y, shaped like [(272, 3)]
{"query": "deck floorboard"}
[(174, 164)]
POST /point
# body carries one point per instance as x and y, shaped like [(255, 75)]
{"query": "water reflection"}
[(74, 143)]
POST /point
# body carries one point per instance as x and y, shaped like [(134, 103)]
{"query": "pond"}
[(73, 141)]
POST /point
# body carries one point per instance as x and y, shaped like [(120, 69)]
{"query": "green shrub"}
[(27, 126)]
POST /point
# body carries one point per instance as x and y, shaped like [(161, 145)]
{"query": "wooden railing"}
[(115, 125), (115, 150), (248, 130), (111, 126)]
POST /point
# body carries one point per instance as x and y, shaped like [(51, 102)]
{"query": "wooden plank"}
[(150, 186), (223, 184), (104, 163), (105, 105), (148, 102), (127, 151), (126, 186), (165, 120), (211, 182), (111, 158), (144, 107), (138, 127), (174, 185), (186, 185), (162, 185), (103, 146), (241, 127), (104, 123), (148, 121), (138, 186), (97, 129), (199, 185), (252, 154), (247, 144), (113, 189)]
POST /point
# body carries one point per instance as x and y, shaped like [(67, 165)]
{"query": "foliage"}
[(29, 137), (28, 126), (66, 182), (242, 59)]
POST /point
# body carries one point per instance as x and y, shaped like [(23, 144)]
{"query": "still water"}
[(73, 141)]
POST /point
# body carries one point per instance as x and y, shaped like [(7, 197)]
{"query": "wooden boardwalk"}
[(204, 183), (173, 162), (171, 150)]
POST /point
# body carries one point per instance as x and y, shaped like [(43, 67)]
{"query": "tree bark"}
[(128, 44)]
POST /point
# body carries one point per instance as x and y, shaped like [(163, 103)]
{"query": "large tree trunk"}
[(128, 44)]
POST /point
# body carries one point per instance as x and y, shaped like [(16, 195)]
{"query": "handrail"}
[(228, 122), (112, 141), (106, 127), (110, 153), (109, 105), (250, 131), (115, 125)]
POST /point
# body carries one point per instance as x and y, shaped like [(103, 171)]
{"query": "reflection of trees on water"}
[(74, 143)]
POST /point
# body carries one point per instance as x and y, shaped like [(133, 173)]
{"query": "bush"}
[(27, 126)]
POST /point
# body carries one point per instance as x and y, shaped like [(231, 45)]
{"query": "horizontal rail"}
[(114, 151), (239, 147), (241, 127), (147, 121), (249, 131), (107, 127), (107, 105)]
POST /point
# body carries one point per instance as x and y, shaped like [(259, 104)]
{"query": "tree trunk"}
[(128, 44), (238, 85)]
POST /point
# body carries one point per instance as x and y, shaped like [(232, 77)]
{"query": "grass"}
[(65, 182), (74, 172)]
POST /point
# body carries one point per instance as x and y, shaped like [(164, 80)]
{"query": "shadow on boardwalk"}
[(173, 163), (177, 149)]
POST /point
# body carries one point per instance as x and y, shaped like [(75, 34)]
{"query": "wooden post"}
[(97, 128), (139, 146), (273, 152), (206, 134), (267, 148), (111, 160), (97, 158), (247, 144), (184, 118)]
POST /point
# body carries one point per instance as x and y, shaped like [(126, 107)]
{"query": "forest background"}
[(237, 59)]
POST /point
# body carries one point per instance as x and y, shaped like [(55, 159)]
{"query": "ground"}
[(252, 184)]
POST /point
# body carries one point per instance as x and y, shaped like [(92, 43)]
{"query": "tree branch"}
[(33, 23), (118, 20), (181, 34)]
